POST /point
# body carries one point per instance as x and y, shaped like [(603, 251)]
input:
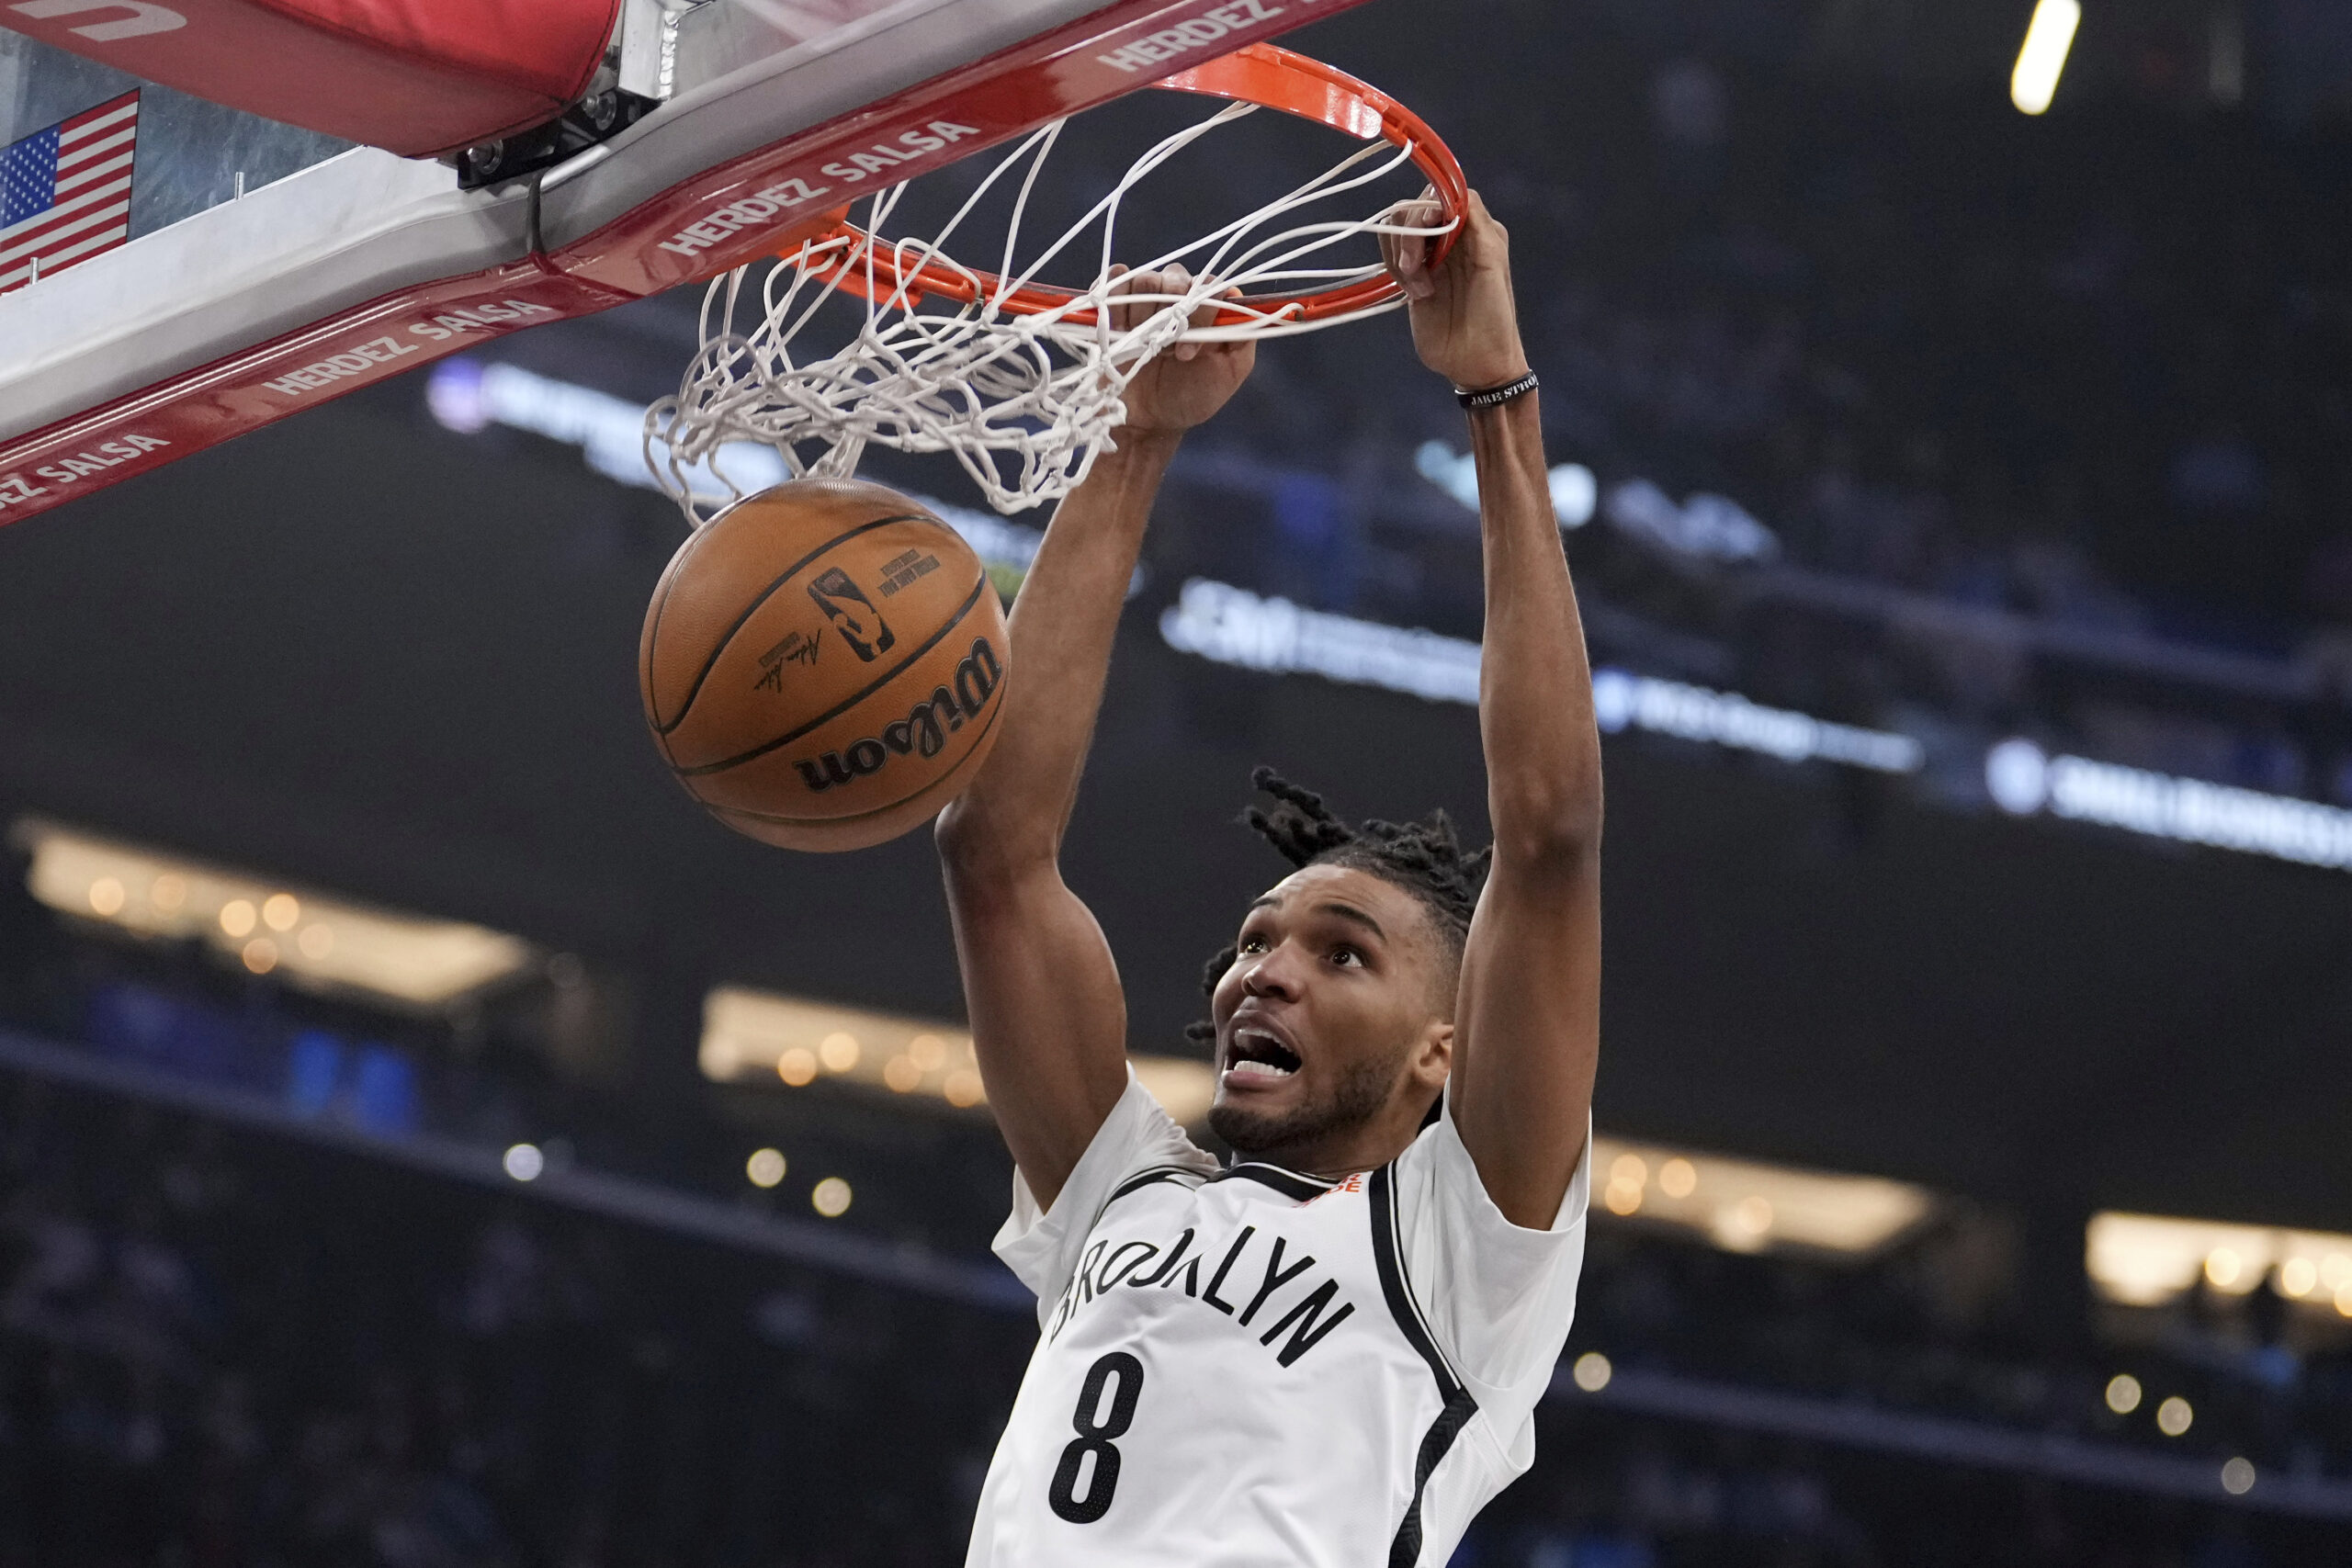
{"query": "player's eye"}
[(1252, 942), (1347, 957)]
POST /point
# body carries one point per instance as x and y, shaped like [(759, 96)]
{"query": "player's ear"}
[(1431, 1060), (1434, 1057)]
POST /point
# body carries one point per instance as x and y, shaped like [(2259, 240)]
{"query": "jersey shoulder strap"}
[(1152, 1176), (1388, 1258)]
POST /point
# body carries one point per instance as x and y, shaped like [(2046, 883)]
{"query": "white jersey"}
[(1248, 1368)]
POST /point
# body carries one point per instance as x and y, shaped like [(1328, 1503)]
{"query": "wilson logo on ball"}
[(924, 730)]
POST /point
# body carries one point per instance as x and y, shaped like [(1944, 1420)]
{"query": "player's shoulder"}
[(1139, 1146), (1425, 1160), (1436, 1188), (1186, 1176)]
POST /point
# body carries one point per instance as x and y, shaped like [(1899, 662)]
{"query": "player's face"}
[(1327, 1023)]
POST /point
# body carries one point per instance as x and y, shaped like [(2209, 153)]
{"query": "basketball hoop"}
[(1021, 380)]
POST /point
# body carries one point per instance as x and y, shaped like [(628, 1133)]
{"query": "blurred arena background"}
[(425, 1139)]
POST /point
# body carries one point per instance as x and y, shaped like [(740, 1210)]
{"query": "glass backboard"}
[(191, 155)]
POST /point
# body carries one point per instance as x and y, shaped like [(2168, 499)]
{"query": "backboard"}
[(266, 268)]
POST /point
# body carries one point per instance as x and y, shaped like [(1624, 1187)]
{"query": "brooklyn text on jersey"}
[(1255, 1366)]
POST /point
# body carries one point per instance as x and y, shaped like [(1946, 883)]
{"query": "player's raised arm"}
[(1528, 1014), (1049, 1021)]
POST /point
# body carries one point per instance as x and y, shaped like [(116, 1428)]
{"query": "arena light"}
[(1182, 1086), (2149, 1260), (1749, 1205), (468, 395), (1623, 701), (749, 1035), (2225, 56), (2023, 780), (1232, 625), (310, 940), (752, 1036), (2042, 57), (1701, 526), (1576, 493)]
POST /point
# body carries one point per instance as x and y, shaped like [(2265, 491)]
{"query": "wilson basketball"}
[(823, 665)]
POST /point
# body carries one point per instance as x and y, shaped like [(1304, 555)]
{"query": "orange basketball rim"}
[(858, 263)]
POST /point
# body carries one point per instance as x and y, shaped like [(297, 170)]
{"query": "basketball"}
[(823, 665)]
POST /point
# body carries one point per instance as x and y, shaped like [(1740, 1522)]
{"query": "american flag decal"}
[(65, 191)]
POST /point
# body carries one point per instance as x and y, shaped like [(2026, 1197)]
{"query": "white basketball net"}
[(1025, 401)]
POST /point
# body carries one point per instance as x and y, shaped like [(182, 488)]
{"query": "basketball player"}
[(1328, 1354)]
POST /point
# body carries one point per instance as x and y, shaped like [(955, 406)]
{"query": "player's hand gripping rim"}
[(1465, 316), (1189, 381)]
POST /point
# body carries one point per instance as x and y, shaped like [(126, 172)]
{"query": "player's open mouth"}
[(1255, 1054)]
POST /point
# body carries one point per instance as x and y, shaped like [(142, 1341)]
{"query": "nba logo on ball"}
[(823, 665)]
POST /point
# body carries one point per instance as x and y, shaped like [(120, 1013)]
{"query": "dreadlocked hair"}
[(1425, 858)]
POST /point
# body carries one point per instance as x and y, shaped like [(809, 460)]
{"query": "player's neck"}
[(1336, 1155)]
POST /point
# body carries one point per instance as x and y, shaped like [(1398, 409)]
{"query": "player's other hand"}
[(1190, 382), (1466, 323)]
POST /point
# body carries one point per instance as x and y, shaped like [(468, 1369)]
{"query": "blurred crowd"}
[(217, 1348), (2045, 422), (1952, 1320), (1611, 1492), (500, 1070), (222, 1346), (243, 1344), (2035, 428)]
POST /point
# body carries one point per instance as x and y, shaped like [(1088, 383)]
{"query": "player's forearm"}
[(1534, 685), (1064, 625)]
